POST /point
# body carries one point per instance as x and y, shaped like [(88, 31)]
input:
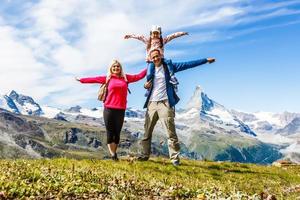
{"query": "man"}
[(160, 103)]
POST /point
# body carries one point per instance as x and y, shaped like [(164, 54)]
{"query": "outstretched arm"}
[(98, 79), (187, 65), (136, 77), (173, 36), (138, 37)]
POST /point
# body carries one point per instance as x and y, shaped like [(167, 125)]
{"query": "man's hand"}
[(185, 33), (148, 85), (126, 36), (211, 60)]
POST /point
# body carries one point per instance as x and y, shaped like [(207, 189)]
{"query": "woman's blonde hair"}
[(109, 73)]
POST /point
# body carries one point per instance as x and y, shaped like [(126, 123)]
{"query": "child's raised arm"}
[(138, 37), (173, 36)]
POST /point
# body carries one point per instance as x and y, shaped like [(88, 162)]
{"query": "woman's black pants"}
[(113, 119)]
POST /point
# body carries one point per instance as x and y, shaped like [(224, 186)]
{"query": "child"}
[(155, 41)]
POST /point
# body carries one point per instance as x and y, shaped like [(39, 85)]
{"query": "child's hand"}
[(211, 60), (126, 36)]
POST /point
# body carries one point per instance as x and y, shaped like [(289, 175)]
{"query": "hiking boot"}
[(115, 157), (142, 158), (175, 163), (175, 88)]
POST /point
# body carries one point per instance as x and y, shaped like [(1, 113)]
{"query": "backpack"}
[(103, 90)]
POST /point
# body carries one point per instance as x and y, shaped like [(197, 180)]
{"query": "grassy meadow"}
[(153, 179)]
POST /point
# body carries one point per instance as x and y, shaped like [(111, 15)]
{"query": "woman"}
[(115, 102)]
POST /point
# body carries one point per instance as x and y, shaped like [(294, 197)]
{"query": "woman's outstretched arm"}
[(136, 77), (97, 79)]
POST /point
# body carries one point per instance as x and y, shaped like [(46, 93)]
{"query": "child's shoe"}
[(147, 93), (175, 88), (173, 80)]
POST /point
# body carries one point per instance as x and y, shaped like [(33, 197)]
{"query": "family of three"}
[(161, 96)]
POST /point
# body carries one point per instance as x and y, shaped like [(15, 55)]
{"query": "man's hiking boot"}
[(142, 158), (175, 163)]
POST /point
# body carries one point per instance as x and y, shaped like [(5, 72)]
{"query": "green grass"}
[(157, 178)]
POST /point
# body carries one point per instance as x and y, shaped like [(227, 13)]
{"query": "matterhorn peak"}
[(196, 100)]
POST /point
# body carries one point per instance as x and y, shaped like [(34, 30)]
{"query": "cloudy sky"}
[(44, 44)]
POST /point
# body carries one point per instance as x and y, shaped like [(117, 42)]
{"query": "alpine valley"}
[(206, 130)]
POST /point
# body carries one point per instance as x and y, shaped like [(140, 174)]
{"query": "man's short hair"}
[(155, 49)]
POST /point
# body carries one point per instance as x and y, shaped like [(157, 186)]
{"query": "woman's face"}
[(116, 69)]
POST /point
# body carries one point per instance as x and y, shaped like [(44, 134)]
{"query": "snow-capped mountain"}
[(51, 112), (8, 104), (206, 128), (266, 122), (276, 128), (200, 105), (20, 104), (291, 128)]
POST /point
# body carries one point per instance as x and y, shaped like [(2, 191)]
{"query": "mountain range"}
[(206, 129)]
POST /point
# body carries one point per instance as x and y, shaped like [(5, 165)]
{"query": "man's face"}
[(156, 58)]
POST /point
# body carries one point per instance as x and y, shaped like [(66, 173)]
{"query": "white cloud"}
[(19, 69), (58, 40)]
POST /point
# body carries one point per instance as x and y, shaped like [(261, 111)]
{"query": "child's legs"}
[(150, 71)]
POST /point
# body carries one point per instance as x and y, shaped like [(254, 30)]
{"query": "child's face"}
[(155, 35)]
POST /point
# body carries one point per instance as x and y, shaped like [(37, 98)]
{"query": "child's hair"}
[(150, 39)]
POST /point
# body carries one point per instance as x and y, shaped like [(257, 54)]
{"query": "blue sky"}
[(45, 44)]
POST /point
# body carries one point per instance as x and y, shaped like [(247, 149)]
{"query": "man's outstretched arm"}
[(190, 64)]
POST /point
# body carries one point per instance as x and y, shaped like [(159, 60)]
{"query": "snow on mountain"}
[(134, 113), (274, 139), (202, 115), (8, 104), (96, 112), (290, 129), (276, 128), (75, 109), (195, 101), (24, 104), (208, 108), (50, 112), (292, 152), (269, 117), (210, 111), (266, 122), (294, 147)]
